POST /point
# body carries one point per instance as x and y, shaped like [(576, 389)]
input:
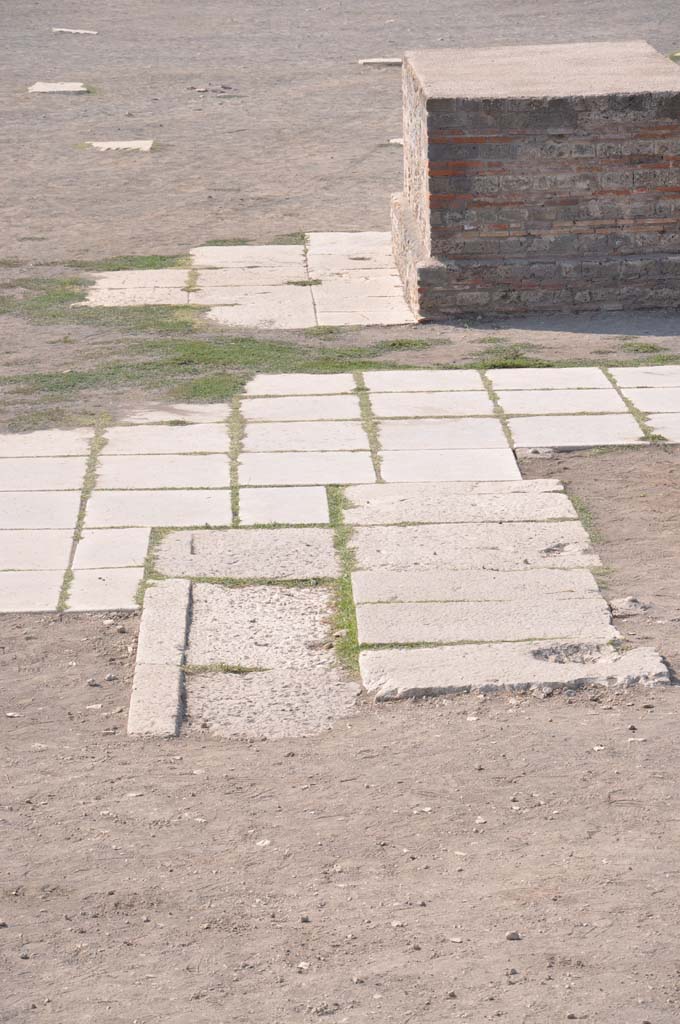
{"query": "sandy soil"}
[(371, 873)]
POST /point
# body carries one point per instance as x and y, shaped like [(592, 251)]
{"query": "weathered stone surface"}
[(306, 436), (647, 376), (96, 589), (272, 384), (562, 545), (59, 87), (168, 277), (107, 549), (114, 297), (171, 440), (250, 256), (403, 585), (667, 424), (449, 464), (159, 508), (574, 431), (138, 145), (35, 549), (579, 400), (546, 378), (264, 306), (155, 701), (42, 474), (164, 625), (654, 399), (215, 412), (475, 621), (46, 442), (154, 471), (423, 380), (261, 506), (440, 434), (286, 554), (30, 591), (433, 403), (395, 674), (299, 468), (39, 510), (306, 407), (382, 504)]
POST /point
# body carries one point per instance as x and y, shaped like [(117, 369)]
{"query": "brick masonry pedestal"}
[(539, 178)]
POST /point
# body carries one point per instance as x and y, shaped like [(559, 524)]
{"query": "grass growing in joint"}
[(236, 431), (345, 621), (96, 446), (370, 425)]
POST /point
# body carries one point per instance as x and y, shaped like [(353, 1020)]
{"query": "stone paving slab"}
[(159, 508), (647, 376), (247, 277), (285, 307), (134, 145), (399, 673), (350, 243), (156, 701), (155, 471), (574, 431), (667, 424), (110, 549), (102, 589), (163, 631), (39, 510), (277, 554), (299, 468), (448, 465), (58, 87), (262, 506), (381, 585), (35, 549), (30, 591), (113, 297), (282, 384), (304, 407), (542, 379), (247, 256), (160, 440), (46, 443), (556, 402), (142, 279), (439, 434), (654, 399), (42, 474), (558, 545), (217, 412), (433, 403), (308, 436), (480, 621), (384, 504), (423, 380), (385, 315)]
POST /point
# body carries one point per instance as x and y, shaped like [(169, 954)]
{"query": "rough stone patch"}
[(563, 545), (214, 413), (148, 440), (434, 403), (647, 376), (276, 306), (159, 508), (439, 434), (553, 402), (244, 277), (543, 379), (299, 468), (308, 436), (60, 87), (39, 510), (166, 277), (248, 256), (383, 504), (42, 474), (305, 407), (154, 471), (140, 145), (574, 431), (272, 384), (30, 591), (163, 629), (286, 554), (654, 399), (46, 442), (261, 506), (121, 297), (423, 380), (96, 589), (667, 424), (108, 549), (395, 673), (380, 585), (35, 549), (450, 464), (475, 621)]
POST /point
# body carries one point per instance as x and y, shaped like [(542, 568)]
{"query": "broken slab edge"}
[(156, 702)]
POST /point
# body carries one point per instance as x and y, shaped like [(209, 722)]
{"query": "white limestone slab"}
[(380, 585), (375, 313), (443, 503), (449, 464), (654, 399), (422, 434), (216, 412), (550, 377), (667, 424), (39, 510), (647, 376), (330, 264), (156, 701), (263, 506), (76, 31), (167, 440), (155, 471), (283, 384), (59, 87), (279, 554), (574, 431), (304, 407), (285, 307), (35, 549), (250, 277), (158, 508), (351, 243), (395, 673), (558, 401), (336, 294), (497, 546), (112, 549), (104, 589), (262, 468), (251, 256), (432, 403), (307, 436), (119, 297), (536, 616), (166, 277), (139, 145), (423, 380), (381, 62), (30, 591), (163, 631), (46, 442), (42, 474)]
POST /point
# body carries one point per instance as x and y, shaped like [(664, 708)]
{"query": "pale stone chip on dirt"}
[(59, 87), (381, 62), (140, 145), (30, 591), (76, 31), (285, 554)]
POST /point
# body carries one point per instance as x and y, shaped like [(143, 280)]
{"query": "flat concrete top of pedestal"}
[(570, 69)]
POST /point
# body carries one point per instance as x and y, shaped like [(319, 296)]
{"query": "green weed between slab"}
[(221, 668), (89, 480), (131, 263), (344, 620)]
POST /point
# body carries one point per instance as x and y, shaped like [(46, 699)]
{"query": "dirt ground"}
[(371, 873)]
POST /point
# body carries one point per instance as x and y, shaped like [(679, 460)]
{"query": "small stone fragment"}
[(513, 936)]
